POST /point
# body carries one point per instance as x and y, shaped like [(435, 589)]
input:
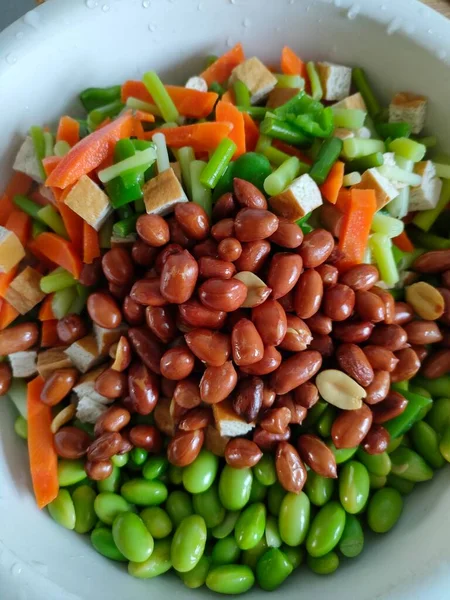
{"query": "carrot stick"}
[(91, 248), (60, 251), (20, 224), (18, 184), (146, 117), (251, 132), (7, 314), (403, 242), (72, 222), (291, 64), (49, 335), (68, 131), (229, 97), (343, 199), (189, 103), (221, 69), (333, 183), (46, 309), (356, 227), (203, 137), (292, 151), (90, 152), (228, 112), (43, 459), (5, 280)]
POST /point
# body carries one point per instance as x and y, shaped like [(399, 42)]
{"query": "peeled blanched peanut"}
[(316, 248), (393, 406), (223, 294), (276, 420), (436, 261), (426, 300), (340, 390), (249, 398), (211, 347), (269, 363), (257, 290), (217, 383), (184, 447), (407, 367)]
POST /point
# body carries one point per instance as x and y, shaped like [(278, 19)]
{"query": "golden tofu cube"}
[(11, 250), (162, 193), (24, 291), (90, 202)]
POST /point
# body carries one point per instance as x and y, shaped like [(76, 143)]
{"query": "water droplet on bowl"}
[(152, 27), (145, 3), (16, 569), (246, 22), (393, 26), (232, 1), (105, 8), (11, 59), (199, 6), (91, 3), (353, 11), (20, 35), (430, 32)]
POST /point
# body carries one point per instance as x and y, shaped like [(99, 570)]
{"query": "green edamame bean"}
[(157, 522), (179, 506), (235, 486), (108, 505), (419, 391), (196, 578), (143, 492), (111, 483), (394, 444), (409, 465), (132, 537), (70, 472), (385, 508), (319, 489), (62, 510), (326, 530), (188, 543), (341, 455), (439, 415), (325, 421), (275, 497), (294, 518), (21, 427), (227, 526), (406, 442), (323, 565), (251, 557), (444, 446), (272, 569), (265, 471), (377, 481), (273, 537), (438, 387), (315, 413), (426, 441), (226, 551), (208, 506), (258, 491), (138, 457), (295, 556), (83, 500), (103, 542), (378, 464), (401, 485), (175, 475), (158, 563), (250, 526), (354, 486), (230, 579), (351, 543), (155, 467), (120, 460), (199, 475)]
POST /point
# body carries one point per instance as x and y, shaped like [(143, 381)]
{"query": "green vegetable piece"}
[(108, 505), (235, 487), (410, 415), (258, 492), (218, 163), (385, 508), (226, 527), (157, 564), (325, 422), (426, 441), (252, 167), (37, 135), (57, 280), (21, 427), (196, 578), (225, 183), (103, 541), (157, 522), (62, 301), (28, 206), (348, 118), (155, 467), (425, 219), (294, 518), (143, 492), (351, 543), (97, 115), (188, 543), (377, 481), (175, 475), (92, 98), (444, 445), (314, 80), (275, 498), (365, 162), (111, 483), (362, 85), (230, 579), (295, 556), (323, 565), (317, 410), (179, 506), (272, 569), (132, 537), (201, 194), (354, 486), (257, 113), (279, 180), (226, 551), (250, 526), (393, 130), (429, 241), (160, 96), (403, 486), (207, 504), (408, 149), (409, 465), (438, 388), (354, 148), (273, 538), (264, 471), (241, 94), (281, 130), (438, 417), (378, 464), (200, 475), (70, 472), (85, 517), (394, 444), (326, 530), (126, 226), (319, 489), (62, 510), (341, 455)]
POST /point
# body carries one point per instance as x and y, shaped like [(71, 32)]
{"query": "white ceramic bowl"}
[(51, 54)]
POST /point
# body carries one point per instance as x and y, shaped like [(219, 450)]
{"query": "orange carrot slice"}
[(221, 69), (332, 185), (91, 247), (251, 132), (60, 251), (403, 242), (49, 334), (292, 151), (229, 97), (291, 64), (7, 314), (18, 184), (203, 137), (46, 309), (68, 131), (229, 113), (20, 224)]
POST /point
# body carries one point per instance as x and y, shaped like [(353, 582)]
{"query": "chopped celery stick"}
[(159, 94), (139, 205), (314, 79), (141, 159), (426, 218), (48, 143), (365, 162), (381, 247), (352, 179), (358, 147), (399, 206), (429, 241), (404, 163), (279, 180), (400, 175), (275, 156), (61, 148), (289, 81), (348, 117), (217, 164), (28, 206), (201, 195), (442, 170), (386, 225), (162, 156), (62, 301), (144, 106), (241, 94), (363, 87), (430, 141), (57, 280), (105, 233), (408, 149), (37, 135), (18, 395), (52, 218), (37, 228), (185, 157), (126, 226), (264, 142), (79, 302)]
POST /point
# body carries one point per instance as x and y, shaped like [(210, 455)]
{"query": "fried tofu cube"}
[(107, 337), (88, 410), (51, 360), (385, 191), (426, 195), (336, 80), (228, 422), (27, 161), (24, 292), (409, 108), (298, 199), (177, 170), (90, 202), (85, 387), (256, 76), (23, 364), (214, 442), (162, 193), (84, 354), (279, 96), (355, 101), (196, 83), (11, 250)]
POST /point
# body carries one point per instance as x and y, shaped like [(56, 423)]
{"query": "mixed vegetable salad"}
[(225, 317)]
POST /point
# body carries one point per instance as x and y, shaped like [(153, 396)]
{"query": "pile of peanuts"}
[(248, 311)]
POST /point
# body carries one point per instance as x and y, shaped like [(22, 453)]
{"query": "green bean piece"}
[(354, 486), (160, 96), (328, 155), (241, 94), (351, 543), (157, 522), (83, 500), (401, 485), (70, 472), (28, 206), (409, 465), (217, 88), (323, 565), (365, 162), (283, 176), (294, 518), (201, 195), (426, 442), (341, 455), (272, 569), (275, 498), (48, 143), (325, 422), (92, 98), (265, 471), (281, 130), (425, 219), (429, 241), (179, 506), (208, 505), (326, 530), (275, 156), (188, 543), (125, 227), (263, 144), (393, 130), (319, 489), (226, 551), (235, 487), (103, 542), (226, 527), (250, 526), (21, 427), (52, 218), (314, 80), (385, 508), (157, 564), (62, 510), (378, 464), (200, 475), (362, 85), (108, 505), (444, 444), (257, 113), (258, 491)]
